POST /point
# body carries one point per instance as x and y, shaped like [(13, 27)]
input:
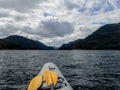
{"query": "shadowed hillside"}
[(106, 37), (19, 42)]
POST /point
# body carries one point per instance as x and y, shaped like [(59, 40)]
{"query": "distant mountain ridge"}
[(106, 37), (20, 42), (69, 45)]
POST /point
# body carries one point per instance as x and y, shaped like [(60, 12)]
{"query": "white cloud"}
[(20, 5), (55, 22)]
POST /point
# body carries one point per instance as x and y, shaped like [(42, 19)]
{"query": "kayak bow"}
[(52, 79)]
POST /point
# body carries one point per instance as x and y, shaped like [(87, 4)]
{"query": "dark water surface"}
[(84, 70)]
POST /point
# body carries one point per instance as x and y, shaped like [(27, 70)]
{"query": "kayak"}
[(52, 67), (49, 78)]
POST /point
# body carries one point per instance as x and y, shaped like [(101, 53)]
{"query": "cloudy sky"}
[(55, 22)]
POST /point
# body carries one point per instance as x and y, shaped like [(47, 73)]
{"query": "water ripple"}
[(84, 70)]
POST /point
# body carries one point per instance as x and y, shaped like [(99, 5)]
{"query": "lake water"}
[(84, 70)]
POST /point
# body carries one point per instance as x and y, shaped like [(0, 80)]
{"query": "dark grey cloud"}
[(20, 5), (50, 29), (7, 30), (20, 18), (2, 15), (71, 5), (55, 28), (46, 29)]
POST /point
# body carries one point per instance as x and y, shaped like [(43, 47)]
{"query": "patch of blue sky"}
[(47, 14)]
